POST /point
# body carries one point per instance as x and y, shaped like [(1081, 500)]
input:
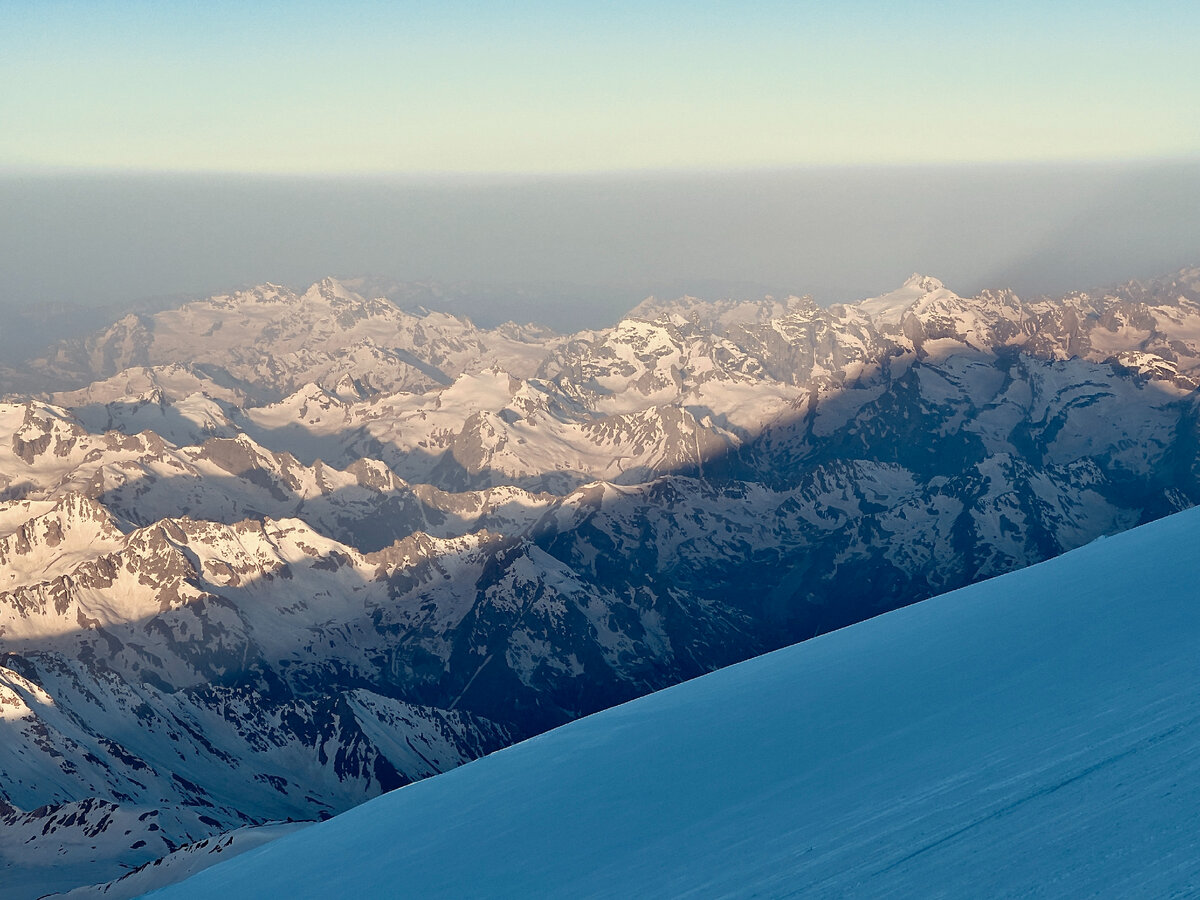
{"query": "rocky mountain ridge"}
[(267, 555)]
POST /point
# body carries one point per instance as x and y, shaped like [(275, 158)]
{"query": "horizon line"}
[(633, 173)]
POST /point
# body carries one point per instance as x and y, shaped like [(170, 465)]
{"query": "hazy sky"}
[(580, 250), (275, 87), (559, 161)]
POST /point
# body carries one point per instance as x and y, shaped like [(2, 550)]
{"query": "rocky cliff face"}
[(273, 554)]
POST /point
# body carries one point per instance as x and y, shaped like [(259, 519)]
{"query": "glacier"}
[(1030, 735)]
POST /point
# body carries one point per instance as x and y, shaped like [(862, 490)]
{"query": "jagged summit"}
[(926, 283), (889, 308)]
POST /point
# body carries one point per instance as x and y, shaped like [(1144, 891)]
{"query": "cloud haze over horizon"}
[(579, 251)]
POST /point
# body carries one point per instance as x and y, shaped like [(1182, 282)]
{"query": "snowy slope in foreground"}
[(1033, 734)]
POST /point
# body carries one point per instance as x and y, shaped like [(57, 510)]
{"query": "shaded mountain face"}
[(267, 555), (1026, 731)]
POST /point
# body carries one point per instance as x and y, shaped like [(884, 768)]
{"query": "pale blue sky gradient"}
[(525, 87)]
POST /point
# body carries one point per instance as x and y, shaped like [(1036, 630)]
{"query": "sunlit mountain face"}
[(268, 555)]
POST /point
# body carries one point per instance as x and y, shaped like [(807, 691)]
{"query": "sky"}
[(537, 87), (561, 161), (577, 251)]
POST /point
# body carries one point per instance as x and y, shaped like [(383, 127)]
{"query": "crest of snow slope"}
[(1033, 733)]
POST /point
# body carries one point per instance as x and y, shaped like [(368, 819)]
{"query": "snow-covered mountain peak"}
[(890, 308), (42, 539), (924, 283), (332, 290)]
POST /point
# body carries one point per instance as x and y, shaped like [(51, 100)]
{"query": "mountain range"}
[(268, 555), (1030, 735)]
